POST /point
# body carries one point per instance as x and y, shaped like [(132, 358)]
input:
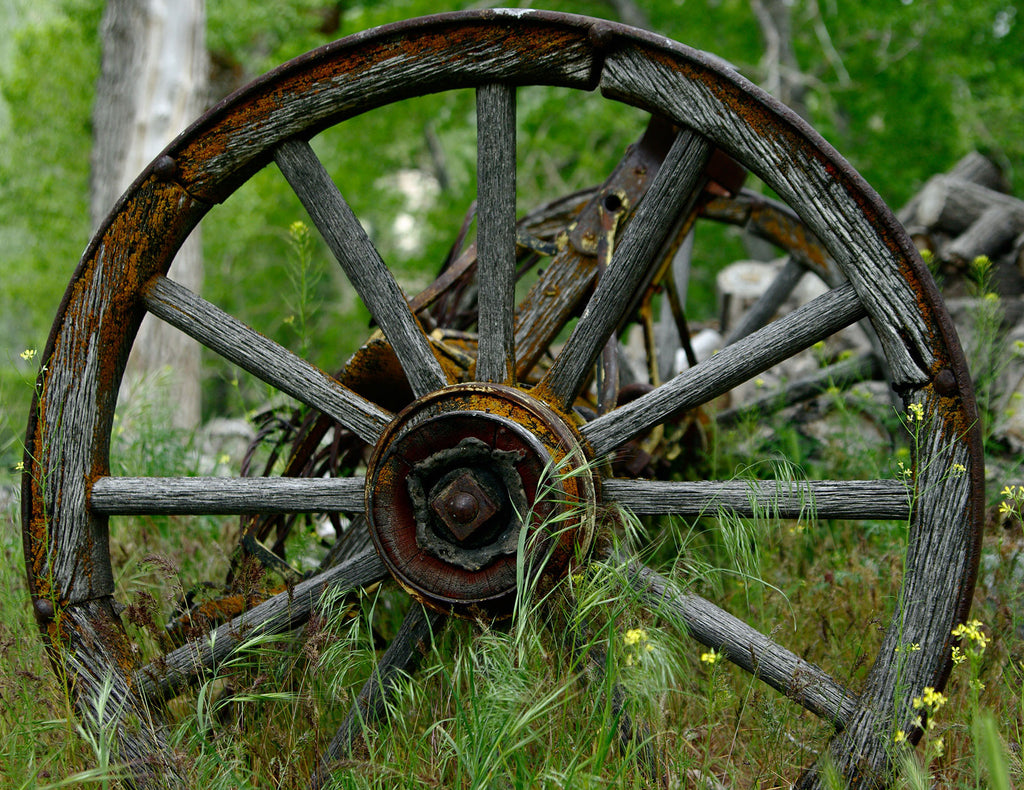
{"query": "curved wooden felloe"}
[(68, 492)]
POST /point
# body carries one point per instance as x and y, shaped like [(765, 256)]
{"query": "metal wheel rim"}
[(67, 557)]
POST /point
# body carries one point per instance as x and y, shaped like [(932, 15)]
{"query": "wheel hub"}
[(455, 481)]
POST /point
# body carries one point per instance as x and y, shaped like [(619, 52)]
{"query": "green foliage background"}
[(902, 89)]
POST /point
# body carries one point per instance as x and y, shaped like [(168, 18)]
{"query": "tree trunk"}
[(782, 75), (152, 84)]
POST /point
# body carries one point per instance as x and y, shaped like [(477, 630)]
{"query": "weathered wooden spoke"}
[(132, 496), (735, 364), (746, 647), (262, 357), (810, 499), (287, 610), (496, 237), (440, 479), (674, 192), (362, 264), (402, 656)]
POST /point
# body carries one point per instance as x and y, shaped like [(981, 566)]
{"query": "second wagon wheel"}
[(451, 473)]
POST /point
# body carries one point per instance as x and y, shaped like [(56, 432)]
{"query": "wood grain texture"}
[(733, 365), (95, 655), (672, 194), (942, 553), (746, 647), (67, 445), (804, 499), (559, 291), (953, 204), (265, 359), (869, 247), (362, 264), (66, 549), (173, 671), (131, 496), (496, 231), (376, 67)]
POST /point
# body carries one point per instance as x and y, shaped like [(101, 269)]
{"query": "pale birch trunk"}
[(151, 86)]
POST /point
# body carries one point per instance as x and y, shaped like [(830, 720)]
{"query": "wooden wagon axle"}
[(482, 469)]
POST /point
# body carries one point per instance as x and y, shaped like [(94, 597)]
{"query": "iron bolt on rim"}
[(702, 108)]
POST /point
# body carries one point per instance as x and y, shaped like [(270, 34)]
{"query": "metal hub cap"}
[(454, 481)]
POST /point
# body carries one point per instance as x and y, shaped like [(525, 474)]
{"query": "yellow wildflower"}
[(916, 411), (930, 699), (28, 354), (634, 636), (711, 657), (972, 632), (899, 737)]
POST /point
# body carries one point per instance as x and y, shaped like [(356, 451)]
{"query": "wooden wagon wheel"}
[(450, 472)]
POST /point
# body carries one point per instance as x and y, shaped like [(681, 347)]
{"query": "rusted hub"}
[(454, 481)]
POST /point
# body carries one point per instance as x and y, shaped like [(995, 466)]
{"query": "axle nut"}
[(463, 505)]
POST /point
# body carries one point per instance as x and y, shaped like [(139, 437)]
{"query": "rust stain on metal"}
[(459, 442), (245, 128)]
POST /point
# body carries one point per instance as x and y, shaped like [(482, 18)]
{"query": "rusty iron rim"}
[(138, 240)]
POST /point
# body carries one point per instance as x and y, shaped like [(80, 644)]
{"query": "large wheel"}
[(452, 473)]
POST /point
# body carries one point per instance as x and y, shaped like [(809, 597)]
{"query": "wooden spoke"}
[(264, 358), (446, 479), (735, 364), (362, 264), (129, 496), (496, 230), (821, 499), (402, 656), (761, 312), (673, 192), (172, 672), (746, 647)]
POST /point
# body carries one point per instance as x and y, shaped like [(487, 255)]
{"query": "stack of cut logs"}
[(959, 216), (968, 212)]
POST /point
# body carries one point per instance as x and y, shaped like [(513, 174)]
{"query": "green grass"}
[(545, 698), (532, 702)]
